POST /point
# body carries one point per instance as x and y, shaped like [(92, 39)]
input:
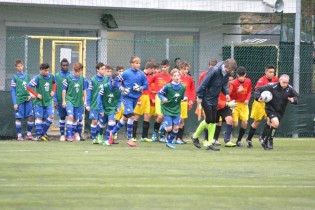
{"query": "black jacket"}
[(279, 97)]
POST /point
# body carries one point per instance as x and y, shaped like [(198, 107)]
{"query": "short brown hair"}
[(77, 67), (18, 62), (133, 58), (230, 64), (213, 62), (174, 71), (149, 65)]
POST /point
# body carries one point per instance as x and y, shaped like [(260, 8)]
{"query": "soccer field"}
[(63, 175)]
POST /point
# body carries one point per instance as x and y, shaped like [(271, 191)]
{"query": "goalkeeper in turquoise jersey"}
[(107, 100), (171, 96), (95, 85), (22, 103), (45, 88), (73, 100)]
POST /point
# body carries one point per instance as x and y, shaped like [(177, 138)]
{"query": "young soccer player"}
[(258, 109), (22, 103), (189, 83), (171, 96), (241, 94), (159, 80), (45, 86), (143, 107), (131, 82), (73, 99), (95, 85), (107, 101), (62, 112)]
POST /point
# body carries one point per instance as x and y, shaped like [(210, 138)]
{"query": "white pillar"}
[(2, 54), (102, 46)]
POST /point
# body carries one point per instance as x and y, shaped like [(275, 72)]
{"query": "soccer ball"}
[(266, 96)]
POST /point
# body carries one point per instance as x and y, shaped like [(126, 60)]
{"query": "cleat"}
[(264, 144), (29, 137), (179, 141), (106, 143), (239, 144), (134, 139), (20, 138), (261, 139), (146, 140), (77, 136), (249, 144), (270, 143), (131, 143), (206, 143), (154, 136), (71, 139), (216, 143), (44, 138), (94, 141), (100, 138), (62, 138), (36, 138), (196, 142), (116, 136), (212, 147), (115, 142), (229, 144), (170, 145), (110, 139), (162, 140)]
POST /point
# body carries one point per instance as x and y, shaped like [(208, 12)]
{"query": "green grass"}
[(62, 175)]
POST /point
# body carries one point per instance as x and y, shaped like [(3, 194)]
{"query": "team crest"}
[(46, 86), (77, 86)]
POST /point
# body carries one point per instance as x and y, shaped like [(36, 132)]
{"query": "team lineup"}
[(118, 99)]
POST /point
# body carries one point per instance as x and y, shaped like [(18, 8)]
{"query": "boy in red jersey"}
[(258, 109), (241, 94)]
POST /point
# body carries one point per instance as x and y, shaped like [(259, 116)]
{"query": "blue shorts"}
[(129, 104), (171, 120), (77, 112), (43, 111), (62, 112), (106, 118), (94, 115), (25, 110)]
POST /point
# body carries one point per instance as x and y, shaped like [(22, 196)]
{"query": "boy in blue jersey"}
[(95, 85), (45, 88), (131, 82), (62, 112), (171, 96), (73, 99), (22, 103), (108, 100)]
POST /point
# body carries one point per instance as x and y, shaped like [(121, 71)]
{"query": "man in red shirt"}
[(241, 94), (258, 109)]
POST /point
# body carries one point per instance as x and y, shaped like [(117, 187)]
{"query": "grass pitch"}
[(63, 175)]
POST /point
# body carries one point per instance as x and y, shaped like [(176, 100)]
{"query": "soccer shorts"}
[(94, 115), (241, 111), (152, 111), (144, 107), (43, 111), (106, 118), (25, 110), (158, 105), (62, 112), (184, 109), (77, 112), (171, 120), (258, 111), (120, 112), (223, 113), (130, 104)]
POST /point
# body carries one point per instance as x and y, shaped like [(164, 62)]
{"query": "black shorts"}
[(223, 113), (210, 112), (271, 115)]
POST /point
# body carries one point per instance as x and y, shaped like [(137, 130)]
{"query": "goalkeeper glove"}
[(124, 91), (231, 104), (137, 87)]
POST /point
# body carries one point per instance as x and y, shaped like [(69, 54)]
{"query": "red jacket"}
[(245, 93), (188, 82), (201, 77), (222, 98), (264, 81)]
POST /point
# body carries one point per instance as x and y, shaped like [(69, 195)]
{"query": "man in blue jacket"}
[(208, 92)]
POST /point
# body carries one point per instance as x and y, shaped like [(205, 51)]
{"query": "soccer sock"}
[(62, 124), (180, 133), (110, 127), (80, 127), (38, 128), (206, 133), (18, 126), (145, 129), (241, 134), (271, 132), (47, 125), (74, 127), (217, 132), (211, 130), (265, 131), (129, 128), (251, 133), (69, 129), (101, 130), (157, 127), (93, 131), (116, 128), (228, 131), (97, 129), (200, 128), (134, 129), (30, 125), (171, 136)]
